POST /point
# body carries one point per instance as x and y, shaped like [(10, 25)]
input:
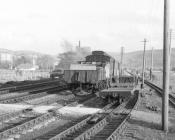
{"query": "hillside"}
[(135, 59), (25, 53)]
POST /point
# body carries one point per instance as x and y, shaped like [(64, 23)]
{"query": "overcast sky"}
[(41, 25)]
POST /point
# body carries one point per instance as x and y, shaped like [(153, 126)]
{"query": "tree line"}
[(44, 62)]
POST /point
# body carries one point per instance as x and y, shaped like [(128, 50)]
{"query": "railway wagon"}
[(119, 94), (97, 66), (123, 89), (84, 73)]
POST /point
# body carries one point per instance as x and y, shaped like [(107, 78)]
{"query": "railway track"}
[(32, 100), (10, 120), (111, 123), (32, 94), (32, 121), (25, 120), (30, 86), (160, 91), (117, 121), (12, 123), (21, 118), (60, 99), (35, 92), (24, 126), (73, 123)]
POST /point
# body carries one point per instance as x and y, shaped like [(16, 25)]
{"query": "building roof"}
[(82, 67)]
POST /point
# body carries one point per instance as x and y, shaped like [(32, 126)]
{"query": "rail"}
[(160, 91), (31, 96), (101, 124), (22, 87), (8, 116), (121, 127), (27, 125), (94, 129), (78, 125)]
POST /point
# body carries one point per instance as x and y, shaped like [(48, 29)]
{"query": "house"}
[(6, 56)]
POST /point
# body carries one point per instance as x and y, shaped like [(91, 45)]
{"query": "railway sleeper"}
[(82, 124), (71, 129), (110, 127), (77, 133), (19, 99), (24, 126), (92, 131)]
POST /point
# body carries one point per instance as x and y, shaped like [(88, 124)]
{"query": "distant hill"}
[(135, 59), (131, 59), (22, 52)]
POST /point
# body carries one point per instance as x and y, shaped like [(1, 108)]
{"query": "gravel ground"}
[(43, 99), (96, 102), (10, 108), (153, 99), (145, 124), (12, 95)]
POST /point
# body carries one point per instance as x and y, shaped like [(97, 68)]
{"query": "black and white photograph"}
[(87, 70)]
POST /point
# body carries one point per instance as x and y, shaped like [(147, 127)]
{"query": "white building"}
[(6, 56)]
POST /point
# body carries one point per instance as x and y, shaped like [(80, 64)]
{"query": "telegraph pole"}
[(166, 67), (143, 68), (151, 69), (121, 61), (79, 44), (170, 39)]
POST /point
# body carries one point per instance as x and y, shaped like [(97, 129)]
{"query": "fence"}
[(14, 75)]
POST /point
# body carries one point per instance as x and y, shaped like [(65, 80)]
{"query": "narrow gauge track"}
[(109, 127), (160, 91)]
